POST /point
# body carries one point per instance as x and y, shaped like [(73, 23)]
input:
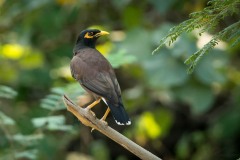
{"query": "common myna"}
[(96, 75)]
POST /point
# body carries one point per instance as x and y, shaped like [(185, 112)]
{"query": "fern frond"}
[(207, 20), (6, 120), (53, 101), (7, 92), (236, 42), (193, 60)]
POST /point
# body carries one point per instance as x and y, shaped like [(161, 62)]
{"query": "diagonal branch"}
[(86, 117)]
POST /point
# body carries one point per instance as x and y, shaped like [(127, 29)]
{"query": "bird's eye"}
[(90, 33)]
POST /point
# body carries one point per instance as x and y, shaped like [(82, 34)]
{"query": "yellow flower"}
[(149, 126), (12, 51)]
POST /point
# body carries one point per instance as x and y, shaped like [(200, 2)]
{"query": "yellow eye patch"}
[(88, 35)]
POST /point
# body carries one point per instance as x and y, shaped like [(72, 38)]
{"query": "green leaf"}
[(58, 90), (183, 148), (132, 16), (236, 42), (160, 32), (162, 6), (55, 127), (27, 154), (184, 46), (54, 102), (133, 45), (9, 75), (120, 4), (194, 59), (164, 71), (7, 92), (27, 140), (199, 98), (165, 120), (120, 58), (51, 123), (212, 68), (227, 126), (6, 120), (33, 60)]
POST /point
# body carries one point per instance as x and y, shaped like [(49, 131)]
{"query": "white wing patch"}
[(104, 100)]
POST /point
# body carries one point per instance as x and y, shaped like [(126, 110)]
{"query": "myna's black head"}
[(88, 37)]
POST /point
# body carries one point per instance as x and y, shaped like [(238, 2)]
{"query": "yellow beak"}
[(102, 33)]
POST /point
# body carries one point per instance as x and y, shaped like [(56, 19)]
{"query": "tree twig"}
[(88, 119)]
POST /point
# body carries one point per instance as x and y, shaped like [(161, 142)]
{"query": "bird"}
[(96, 75)]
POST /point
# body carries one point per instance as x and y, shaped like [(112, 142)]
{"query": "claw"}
[(104, 122), (93, 114), (89, 110)]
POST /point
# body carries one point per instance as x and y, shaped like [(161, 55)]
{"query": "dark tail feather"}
[(119, 114)]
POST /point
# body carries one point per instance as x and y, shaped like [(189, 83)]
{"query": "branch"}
[(88, 119)]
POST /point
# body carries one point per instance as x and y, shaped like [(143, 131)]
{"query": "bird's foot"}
[(93, 114), (104, 122)]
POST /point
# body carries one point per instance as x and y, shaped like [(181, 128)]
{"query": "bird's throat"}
[(84, 44)]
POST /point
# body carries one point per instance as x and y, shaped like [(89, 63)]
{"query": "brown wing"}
[(95, 73)]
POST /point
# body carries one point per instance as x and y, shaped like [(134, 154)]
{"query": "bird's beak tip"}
[(104, 33)]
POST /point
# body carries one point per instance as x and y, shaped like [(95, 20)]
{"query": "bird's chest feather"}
[(89, 64), (94, 60)]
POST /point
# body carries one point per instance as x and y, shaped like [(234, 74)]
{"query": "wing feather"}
[(99, 80)]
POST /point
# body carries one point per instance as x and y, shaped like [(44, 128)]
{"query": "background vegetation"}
[(175, 115)]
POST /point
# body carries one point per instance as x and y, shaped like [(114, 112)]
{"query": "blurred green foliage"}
[(174, 115), (206, 20)]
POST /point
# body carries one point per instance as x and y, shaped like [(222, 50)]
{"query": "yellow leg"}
[(104, 117), (93, 104), (106, 114)]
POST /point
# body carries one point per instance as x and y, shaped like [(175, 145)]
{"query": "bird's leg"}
[(105, 115), (93, 104), (103, 118)]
